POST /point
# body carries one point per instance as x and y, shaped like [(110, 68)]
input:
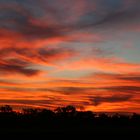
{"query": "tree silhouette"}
[(67, 109), (66, 119), (6, 109), (30, 111), (70, 109)]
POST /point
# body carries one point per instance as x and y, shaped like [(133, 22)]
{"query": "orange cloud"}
[(101, 64)]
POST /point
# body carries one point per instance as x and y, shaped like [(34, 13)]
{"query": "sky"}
[(83, 53)]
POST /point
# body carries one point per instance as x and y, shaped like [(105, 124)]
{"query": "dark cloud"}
[(120, 17), (27, 22), (135, 78), (50, 54), (17, 66), (93, 90), (97, 100), (73, 90), (24, 51), (131, 89), (27, 101), (110, 14), (22, 21), (20, 89), (62, 90), (35, 31), (28, 57), (106, 16), (38, 55), (52, 51)]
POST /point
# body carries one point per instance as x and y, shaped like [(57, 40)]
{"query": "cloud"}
[(112, 15), (110, 64), (97, 100), (127, 89), (54, 90), (28, 103), (51, 103), (7, 82), (115, 82), (93, 90), (135, 78), (118, 18), (116, 75), (56, 54), (22, 21), (73, 90), (123, 78), (32, 24), (41, 55), (17, 66)]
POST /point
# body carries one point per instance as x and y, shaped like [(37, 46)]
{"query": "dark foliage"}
[(65, 119)]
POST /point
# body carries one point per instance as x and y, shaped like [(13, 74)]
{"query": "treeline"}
[(62, 117), (66, 121)]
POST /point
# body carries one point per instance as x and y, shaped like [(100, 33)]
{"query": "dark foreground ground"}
[(102, 131)]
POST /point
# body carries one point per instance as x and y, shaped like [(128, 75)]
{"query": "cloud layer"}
[(82, 52)]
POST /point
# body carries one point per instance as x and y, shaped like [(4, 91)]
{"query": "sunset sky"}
[(84, 53)]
